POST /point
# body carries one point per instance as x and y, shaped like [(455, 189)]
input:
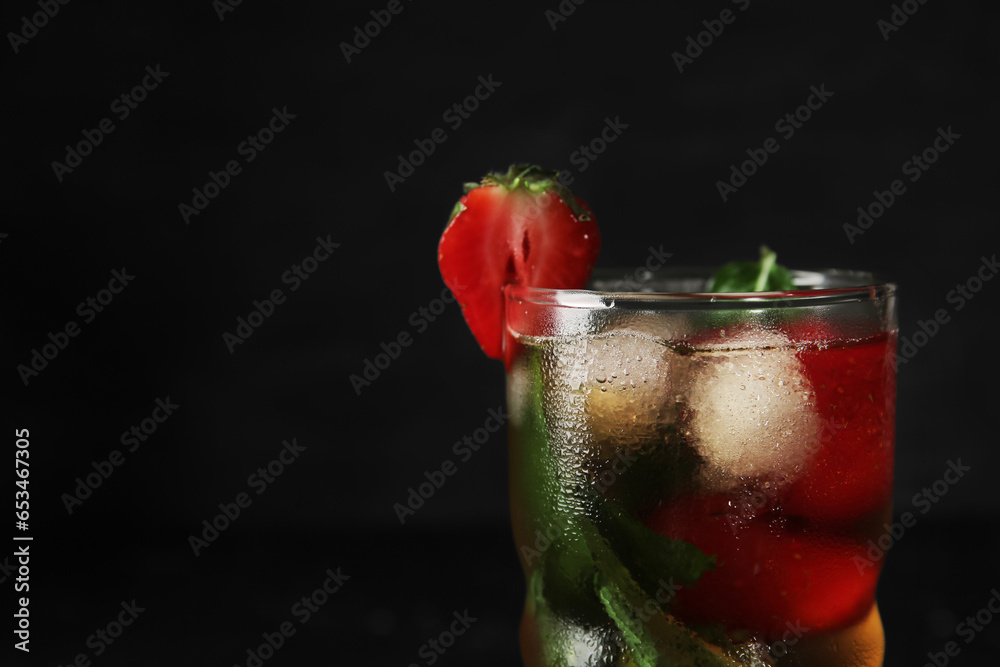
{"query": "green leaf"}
[(642, 561), (651, 558), (566, 565), (653, 639), (659, 472), (603, 565), (765, 275), (658, 640)]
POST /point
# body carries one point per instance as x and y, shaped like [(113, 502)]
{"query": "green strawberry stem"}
[(535, 180)]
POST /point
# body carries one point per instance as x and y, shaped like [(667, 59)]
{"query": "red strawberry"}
[(522, 227)]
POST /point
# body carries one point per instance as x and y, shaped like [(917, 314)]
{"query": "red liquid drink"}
[(700, 484), (811, 534)]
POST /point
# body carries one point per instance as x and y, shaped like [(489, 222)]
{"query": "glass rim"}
[(814, 287)]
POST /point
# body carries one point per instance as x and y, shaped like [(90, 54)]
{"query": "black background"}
[(323, 176)]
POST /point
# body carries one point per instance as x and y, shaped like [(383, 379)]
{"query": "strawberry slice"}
[(522, 227)]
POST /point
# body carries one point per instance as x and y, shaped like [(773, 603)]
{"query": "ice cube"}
[(628, 389), (751, 411), (605, 393)]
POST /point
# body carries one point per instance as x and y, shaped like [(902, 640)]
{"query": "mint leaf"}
[(654, 639), (558, 554), (545, 488), (658, 472), (648, 556), (763, 276), (658, 640), (602, 565)]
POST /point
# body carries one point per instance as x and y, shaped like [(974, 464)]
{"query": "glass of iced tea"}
[(695, 476)]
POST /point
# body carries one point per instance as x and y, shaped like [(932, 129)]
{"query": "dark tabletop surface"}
[(402, 589)]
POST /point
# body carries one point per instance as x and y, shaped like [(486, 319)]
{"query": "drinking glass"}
[(696, 478)]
